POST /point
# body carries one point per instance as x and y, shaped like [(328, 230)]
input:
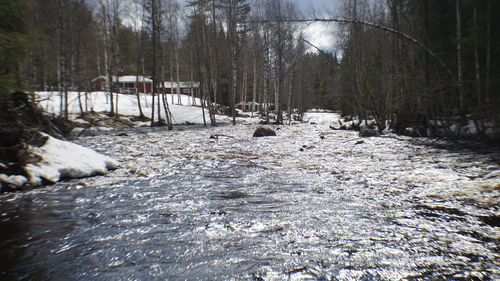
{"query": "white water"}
[(185, 206)]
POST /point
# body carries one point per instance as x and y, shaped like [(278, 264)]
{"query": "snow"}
[(125, 79), (127, 105), (62, 159), (182, 84), (182, 114), (13, 180), (133, 79)]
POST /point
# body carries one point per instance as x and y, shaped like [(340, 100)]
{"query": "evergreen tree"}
[(12, 45)]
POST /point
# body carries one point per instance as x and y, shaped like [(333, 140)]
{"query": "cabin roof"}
[(182, 84), (125, 79), (133, 79)]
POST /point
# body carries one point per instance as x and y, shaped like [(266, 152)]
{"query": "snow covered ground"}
[(183, 110)]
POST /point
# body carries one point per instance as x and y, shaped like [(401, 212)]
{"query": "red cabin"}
[(125, 84)]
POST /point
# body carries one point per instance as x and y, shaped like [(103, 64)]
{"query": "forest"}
[(428, 65), (358, 140)]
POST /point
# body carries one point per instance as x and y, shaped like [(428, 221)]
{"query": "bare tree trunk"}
[(140, 39), (98, 57), (234, 84), (289, 103), (191, 72), (476, 58), (143, 64), (261, 93), (172, 75), (59, 87), (488, 53), (200, 73), (116, 105), (168, 113), (86, 77), (166, 108), (254, 92), (177, 74), (154, 37), (300, 105), (107, 55), (267, 81), (215, 67), (245, 77), (459, 56), (79, 77), (276, 96), (212, 80), (207, 73), (62, 57)]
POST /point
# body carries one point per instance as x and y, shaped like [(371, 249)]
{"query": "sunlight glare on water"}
[(186, 207)]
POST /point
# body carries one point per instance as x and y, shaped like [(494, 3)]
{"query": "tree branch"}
[(385, 28)]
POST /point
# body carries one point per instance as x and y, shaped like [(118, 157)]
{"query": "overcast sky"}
[(318, 5), (321, 35)]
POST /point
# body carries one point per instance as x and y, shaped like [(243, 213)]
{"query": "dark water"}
[(185, 207)]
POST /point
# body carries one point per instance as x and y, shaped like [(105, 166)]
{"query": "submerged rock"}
[(365, 131), (264, 132)]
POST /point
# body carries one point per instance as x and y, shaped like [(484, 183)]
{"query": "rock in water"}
[(264, 132), (365, 131)]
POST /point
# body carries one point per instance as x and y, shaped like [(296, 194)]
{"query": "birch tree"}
[(235, 11)]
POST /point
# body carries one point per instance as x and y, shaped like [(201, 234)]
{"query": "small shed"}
[(248, 106), (185, 87)]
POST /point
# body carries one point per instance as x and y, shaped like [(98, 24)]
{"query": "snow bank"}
[(322, 117), (13, 180), (62, 160), (182, 111)]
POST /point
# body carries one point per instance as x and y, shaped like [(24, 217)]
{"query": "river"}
[(308, 204)]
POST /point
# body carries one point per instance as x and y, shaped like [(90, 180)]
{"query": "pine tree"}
[(12, 45)]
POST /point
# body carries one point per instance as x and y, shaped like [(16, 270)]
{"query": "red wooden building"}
[(184, 87), (128, 84), (131, 84)]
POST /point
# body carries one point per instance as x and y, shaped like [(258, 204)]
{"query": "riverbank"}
[(30, 156)]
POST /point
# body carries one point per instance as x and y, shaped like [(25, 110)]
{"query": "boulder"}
[(365, 131), (264, 132)]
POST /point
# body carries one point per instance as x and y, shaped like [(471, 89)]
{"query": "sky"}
[(322, 35)]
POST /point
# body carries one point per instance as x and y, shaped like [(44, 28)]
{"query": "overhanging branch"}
[(374, 25)]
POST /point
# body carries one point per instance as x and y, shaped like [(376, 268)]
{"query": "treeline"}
[(456, 81), (221, 43), (429, 65)]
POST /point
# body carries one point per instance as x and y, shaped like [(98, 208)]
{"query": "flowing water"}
[(308, 204)]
